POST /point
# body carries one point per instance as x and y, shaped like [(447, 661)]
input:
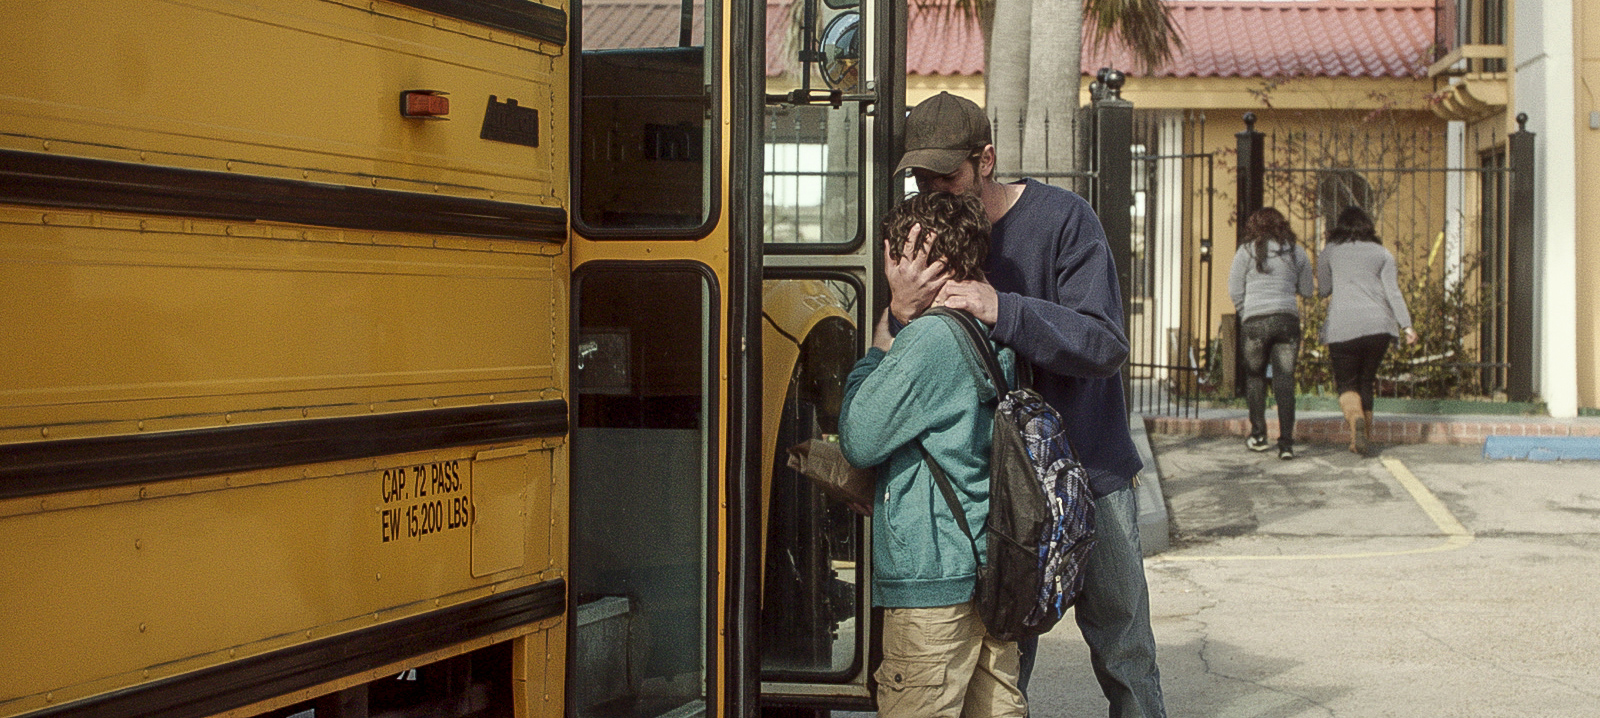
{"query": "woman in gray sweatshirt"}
[(1365, 315), (1269, 269)]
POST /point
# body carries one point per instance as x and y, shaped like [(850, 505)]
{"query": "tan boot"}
[(1356, 419)]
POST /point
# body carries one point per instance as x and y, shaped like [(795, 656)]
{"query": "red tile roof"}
[(612, 24), (1238, 38), (941, 40), (1233, 38)]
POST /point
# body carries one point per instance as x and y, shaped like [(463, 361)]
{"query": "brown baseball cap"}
[(942, 132)]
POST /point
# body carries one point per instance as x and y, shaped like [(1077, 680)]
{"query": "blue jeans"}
[(1274, 339), (1114, 614)]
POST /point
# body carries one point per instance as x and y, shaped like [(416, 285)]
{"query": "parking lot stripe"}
[(1430, 504)]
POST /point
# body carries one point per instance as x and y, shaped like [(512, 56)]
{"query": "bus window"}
[(813, 180), (813, 154), (643, 143), (814, 579), (642, 486)]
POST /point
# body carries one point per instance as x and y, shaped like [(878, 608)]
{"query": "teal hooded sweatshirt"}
[(929, 387)]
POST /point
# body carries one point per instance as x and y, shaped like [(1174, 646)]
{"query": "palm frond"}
[(1143, 26)]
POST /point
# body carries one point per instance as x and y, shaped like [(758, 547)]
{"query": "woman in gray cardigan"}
[(1365, 316), (1269, 269)]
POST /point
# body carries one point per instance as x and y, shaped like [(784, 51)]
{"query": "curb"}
[(1542, 448), (1152, 505)]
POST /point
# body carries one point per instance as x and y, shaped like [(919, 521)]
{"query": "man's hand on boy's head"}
[(977, 297), (913, 280)]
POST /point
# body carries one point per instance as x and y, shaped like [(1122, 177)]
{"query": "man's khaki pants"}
[(941, 662)]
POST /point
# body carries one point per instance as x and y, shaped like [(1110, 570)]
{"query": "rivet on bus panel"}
[(47, 144), (141, 425), (230, 165), (141, 630), (45, 432), (138, 544)]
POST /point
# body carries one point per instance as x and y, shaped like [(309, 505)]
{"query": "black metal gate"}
[(1168, 286)]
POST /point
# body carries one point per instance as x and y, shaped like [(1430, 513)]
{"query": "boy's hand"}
[(975, 296), (881, 338), (913, 280)]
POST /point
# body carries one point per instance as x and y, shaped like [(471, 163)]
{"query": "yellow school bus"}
[(434, 357)]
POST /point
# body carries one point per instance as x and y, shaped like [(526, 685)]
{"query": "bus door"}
[(650, 292), (831, 91)]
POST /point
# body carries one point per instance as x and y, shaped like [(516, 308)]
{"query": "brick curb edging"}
[(1469, 430)]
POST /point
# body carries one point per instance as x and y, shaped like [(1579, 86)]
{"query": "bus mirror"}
[(841, 52)]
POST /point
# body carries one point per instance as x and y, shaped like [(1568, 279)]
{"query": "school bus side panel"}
[(129, 322)]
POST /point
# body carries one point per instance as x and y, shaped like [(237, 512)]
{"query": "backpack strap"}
[(949, 491), (980, 343)]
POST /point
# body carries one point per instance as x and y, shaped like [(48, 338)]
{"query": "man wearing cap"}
[(1051, 294)]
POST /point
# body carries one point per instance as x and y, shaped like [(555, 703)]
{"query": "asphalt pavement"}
[(1426, 581)]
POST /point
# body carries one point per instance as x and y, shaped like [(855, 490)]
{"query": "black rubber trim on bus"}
[(523, 17), (42, 467), (34, 178), (240, 683)]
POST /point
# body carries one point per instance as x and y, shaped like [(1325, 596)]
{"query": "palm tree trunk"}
[(1007, 81), (1053, 83)]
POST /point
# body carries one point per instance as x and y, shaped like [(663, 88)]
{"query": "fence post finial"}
[(1250, 121), (1522, 122), (1115, 79)]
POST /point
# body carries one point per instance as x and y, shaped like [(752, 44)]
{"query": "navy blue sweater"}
[(1061, 310)]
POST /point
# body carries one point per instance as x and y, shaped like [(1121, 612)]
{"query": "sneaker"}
[(1256, 443), (1286, 452)]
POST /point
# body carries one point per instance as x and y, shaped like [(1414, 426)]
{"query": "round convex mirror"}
[(841, 52)]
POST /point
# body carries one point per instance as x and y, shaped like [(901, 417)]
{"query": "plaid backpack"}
[(1041, 512)]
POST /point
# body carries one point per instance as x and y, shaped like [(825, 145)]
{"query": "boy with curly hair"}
[(924, 390)]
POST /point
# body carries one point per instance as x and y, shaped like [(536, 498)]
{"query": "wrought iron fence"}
[(1441, 205)]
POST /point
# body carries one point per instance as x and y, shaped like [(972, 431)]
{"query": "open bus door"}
[(834, 86)]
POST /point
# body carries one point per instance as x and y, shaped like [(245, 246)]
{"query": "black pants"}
[(1274, 338), (1355, 364)]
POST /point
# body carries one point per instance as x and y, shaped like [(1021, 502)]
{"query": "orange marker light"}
[(424, 104)]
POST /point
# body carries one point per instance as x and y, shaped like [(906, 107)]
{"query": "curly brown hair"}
[(1267, 225), (955, 229)]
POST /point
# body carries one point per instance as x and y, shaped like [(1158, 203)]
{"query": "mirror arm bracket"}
[(836, 98)]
